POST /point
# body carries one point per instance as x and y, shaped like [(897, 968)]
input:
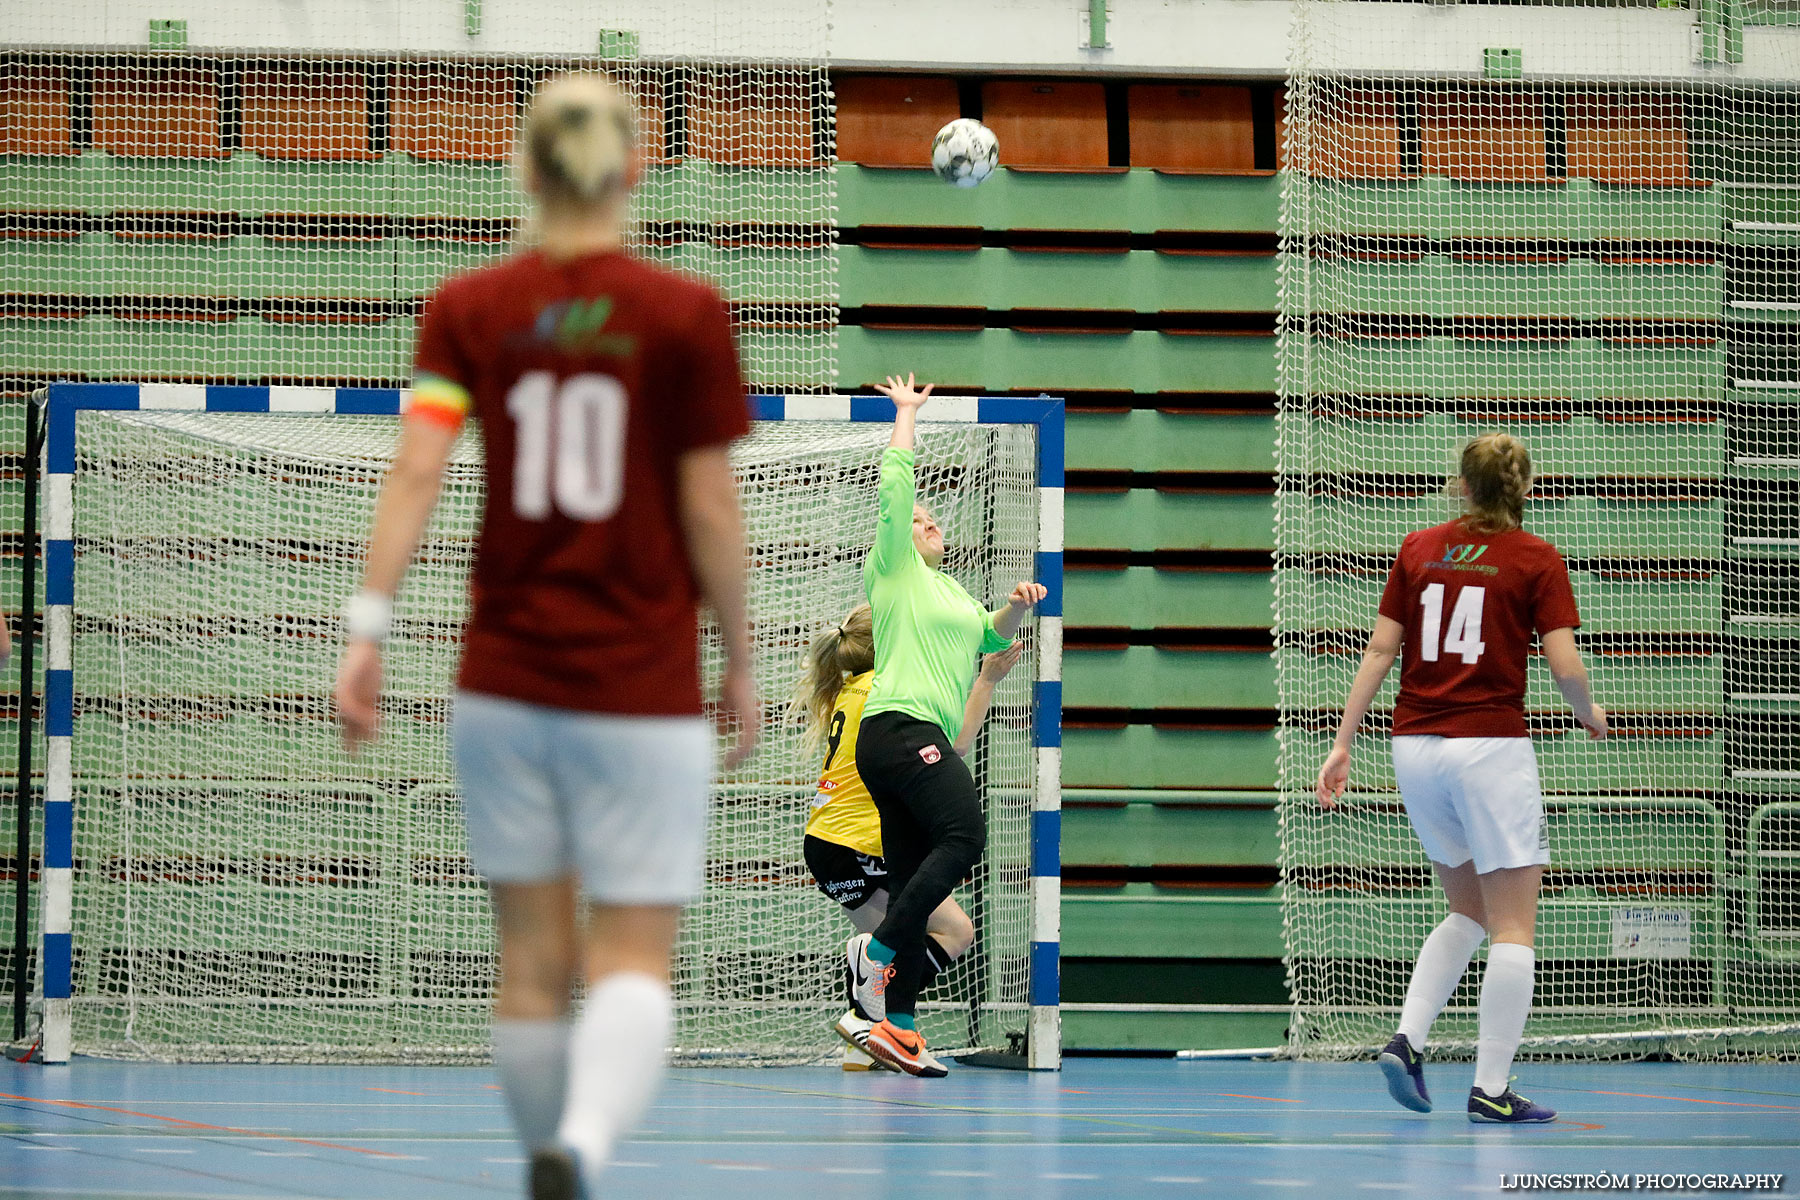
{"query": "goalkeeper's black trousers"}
[(932, 833)]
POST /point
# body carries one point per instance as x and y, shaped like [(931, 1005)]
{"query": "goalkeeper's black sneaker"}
[(554, 1176), (1508, 1108), (1405, 1071)]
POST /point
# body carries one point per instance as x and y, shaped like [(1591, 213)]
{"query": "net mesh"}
[(246, 891), (256, 209), (1604, 260)]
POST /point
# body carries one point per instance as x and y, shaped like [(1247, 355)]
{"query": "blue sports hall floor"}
[(1128, 1129)]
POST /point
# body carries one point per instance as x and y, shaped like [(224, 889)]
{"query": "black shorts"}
[(843, 874)]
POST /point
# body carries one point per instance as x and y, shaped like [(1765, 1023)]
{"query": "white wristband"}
[(368, 617)]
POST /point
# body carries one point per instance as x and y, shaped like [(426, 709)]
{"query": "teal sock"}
[(901, 1020), (880, 953)]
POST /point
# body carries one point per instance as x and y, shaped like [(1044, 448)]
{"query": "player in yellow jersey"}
[(843, 831)]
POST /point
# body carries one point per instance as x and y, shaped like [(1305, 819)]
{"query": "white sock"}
[(616, 1059), (532, 1060), (1442, 961), (1505, 1003)]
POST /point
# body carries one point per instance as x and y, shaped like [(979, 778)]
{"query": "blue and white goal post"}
[(1040, 427)]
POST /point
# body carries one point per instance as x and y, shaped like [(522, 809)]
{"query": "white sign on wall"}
[(1652, 932)]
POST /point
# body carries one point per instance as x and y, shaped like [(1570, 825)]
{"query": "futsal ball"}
[(964, 152)]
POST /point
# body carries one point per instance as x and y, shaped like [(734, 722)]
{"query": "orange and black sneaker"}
[(855, 1032), (904, 1050)]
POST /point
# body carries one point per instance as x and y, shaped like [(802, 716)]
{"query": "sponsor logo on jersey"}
[(579, 327), (1461, 557), (930, 754)]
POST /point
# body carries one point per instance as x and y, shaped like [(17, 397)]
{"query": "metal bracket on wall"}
[(472, 18), (167, 34), (1498, 62), (1719, 32), (618, 43), (1093, 26)]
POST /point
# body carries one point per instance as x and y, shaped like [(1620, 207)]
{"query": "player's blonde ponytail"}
[(835, 655), (1497, 469), (576, 145)]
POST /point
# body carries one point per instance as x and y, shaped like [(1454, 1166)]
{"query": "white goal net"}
[(243, 890), (1580, 224)]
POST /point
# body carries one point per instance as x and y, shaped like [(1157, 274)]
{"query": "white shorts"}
[(618, 800), (1474, 798)]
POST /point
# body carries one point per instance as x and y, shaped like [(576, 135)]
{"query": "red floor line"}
[(1697, 1100), (393, 1091), (274, 1137), (1275, 1099)]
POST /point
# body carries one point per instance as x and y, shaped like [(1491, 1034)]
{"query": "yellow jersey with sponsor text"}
[(842, 811)]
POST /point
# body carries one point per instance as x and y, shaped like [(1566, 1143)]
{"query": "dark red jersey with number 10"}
[(591, 378), (1470, 603)]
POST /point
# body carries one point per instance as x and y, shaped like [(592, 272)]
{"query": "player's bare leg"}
[(536, 925), (538, 955)]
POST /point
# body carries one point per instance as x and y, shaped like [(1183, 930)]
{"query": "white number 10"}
[(582, 421), (1464, 635)]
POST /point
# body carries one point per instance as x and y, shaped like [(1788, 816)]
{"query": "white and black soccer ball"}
[(964, 152)]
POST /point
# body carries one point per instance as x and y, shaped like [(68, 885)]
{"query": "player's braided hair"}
[(578, 138), (841, 651), (1497, 469)]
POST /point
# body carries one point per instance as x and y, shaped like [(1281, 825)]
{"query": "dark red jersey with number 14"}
[(1470, 603), (591, 378)]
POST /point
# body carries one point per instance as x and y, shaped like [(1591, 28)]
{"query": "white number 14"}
[(1464, 634)]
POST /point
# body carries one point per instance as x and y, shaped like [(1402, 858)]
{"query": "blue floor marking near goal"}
[(1102, 1128)]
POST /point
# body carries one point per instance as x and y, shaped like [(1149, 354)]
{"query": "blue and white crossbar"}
[(66, 400)]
